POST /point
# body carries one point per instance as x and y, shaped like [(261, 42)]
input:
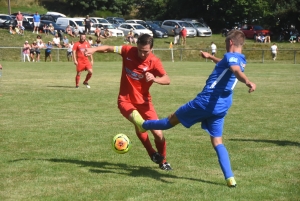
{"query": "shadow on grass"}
[(277, 142), (114, 168), (62, 86)]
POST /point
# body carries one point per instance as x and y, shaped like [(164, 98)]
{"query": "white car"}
[(114, 32), (137, 29), (99, 20)]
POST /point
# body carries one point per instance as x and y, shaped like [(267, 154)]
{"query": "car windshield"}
[(258, 28), (138, 27), (185, 24), (155, 26), (109, 26), (102, 21), (30, 19), (79, 23), (198, 25)]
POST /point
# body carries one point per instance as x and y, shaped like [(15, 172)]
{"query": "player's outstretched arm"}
[(101, 49), (243, 78), (206, 55)]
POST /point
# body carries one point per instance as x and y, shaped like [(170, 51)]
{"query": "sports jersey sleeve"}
[(236, 60), (118, 49), (158, 68)]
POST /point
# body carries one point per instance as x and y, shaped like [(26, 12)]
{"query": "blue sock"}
[(224, 160), (161, 124)]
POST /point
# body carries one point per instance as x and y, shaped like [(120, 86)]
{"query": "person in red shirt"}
[(140, 69), (19, 18), (81, 61), (183, 34)]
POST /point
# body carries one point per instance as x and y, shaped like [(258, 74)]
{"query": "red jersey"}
[(133, 85), (184, 32), (80, 48)]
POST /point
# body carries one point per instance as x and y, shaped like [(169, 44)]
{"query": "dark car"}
[(48, 17), (13, 23), (157, 31), (251, 31), (48, 22)]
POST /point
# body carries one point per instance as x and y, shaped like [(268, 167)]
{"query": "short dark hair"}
[(237, 37), (145, 39)]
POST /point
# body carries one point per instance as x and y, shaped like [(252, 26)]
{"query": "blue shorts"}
[(192, 113)]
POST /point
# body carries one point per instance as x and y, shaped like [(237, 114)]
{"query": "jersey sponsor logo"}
[(242, 65), (233, 59), (145, 68), (133, 75), (128, 59)]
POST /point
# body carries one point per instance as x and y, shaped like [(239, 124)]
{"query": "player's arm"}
[(74, 57), (101, 49), (206, 55), (243, 78), (163, 80)]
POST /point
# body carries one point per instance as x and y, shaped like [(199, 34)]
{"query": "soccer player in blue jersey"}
[(211, 105)]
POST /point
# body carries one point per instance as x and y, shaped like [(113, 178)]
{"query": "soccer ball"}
[(121, 144)]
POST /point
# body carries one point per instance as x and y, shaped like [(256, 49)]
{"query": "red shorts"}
[(147, 110), (83, 65)]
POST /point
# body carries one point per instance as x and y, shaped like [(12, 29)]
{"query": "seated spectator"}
[(65, 42), (21, 29), (107, 33), (91, 42), (98, 42), (17, 30), (39, 38), (46, 29), (69, 31), (130, 37), (97, 32), (40, 44), (56, 41), (260, 38), (76, 31), (51, 29), (70, 51), (267, 38), (11, 30), (26, 51)]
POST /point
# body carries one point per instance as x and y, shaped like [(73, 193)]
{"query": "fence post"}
[(263, 54)]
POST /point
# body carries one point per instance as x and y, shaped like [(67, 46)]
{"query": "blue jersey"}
[(216, 96)]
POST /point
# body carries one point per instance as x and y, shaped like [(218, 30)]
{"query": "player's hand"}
[(89, 51), (76, 63), (149, 77), (251, 86), (204, 55)]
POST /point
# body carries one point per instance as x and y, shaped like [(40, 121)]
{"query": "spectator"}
[(183, 34), (213, 49), (11, 30), (19, 18), (36, 22), (69, 31), (51, 29), (107, 33), (267, 38), (176, 32), (21, 29), (69, 51), (17, 30), (39, 38), (60, 34), (33, 51), (130, 37), (260, 38), (97, 32), (274, 51), (56, 41), (26, 51), (98, 42), (91, 42), (65, 42), (46, 29), (76, 31), (48, 51), (40, 44), (87, 24)]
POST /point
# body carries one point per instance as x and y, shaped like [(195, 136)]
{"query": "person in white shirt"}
[(69, 51), (56, 41), (274, 51), (213, 48)]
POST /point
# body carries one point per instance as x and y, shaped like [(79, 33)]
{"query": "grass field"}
[(55, 140)]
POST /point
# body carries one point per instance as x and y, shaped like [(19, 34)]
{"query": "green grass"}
[(55, 141)]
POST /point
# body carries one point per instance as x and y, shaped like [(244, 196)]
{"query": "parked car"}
[(115, 32), (13, 23), (4, 17), (157, 31), (73, 22), (50, 17), (134, 21), (55, 13), (119, 19), (252, 31), (170, 24), (136, 28), (98, 20), (48, 22), (202, 30), (155, 22)]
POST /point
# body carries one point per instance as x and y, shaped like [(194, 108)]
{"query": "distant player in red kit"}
[(81, 61), (140, 69)]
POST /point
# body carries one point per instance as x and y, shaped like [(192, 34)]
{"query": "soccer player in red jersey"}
[(140, 69), (81, 61)]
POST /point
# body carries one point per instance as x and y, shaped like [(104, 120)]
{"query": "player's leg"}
[(88, 76), (77, 78), (214, 126)]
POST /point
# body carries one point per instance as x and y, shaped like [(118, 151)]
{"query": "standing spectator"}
[(26, 51), (48, 51), (56, 41), (36, 22), (65, 41), (213, 49), (19, 18), (87, 25), (274, 51), (176, 32), (69, 51), (140, 69), (183, 35), (69, 31), (33, 48), (212, 104), (81, 61)]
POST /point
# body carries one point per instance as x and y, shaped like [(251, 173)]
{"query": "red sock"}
[(161, 148), (77, 79), (144, 138), (88, 76)]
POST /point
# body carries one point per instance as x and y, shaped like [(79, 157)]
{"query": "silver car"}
[(169, 25), (202, 30)]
